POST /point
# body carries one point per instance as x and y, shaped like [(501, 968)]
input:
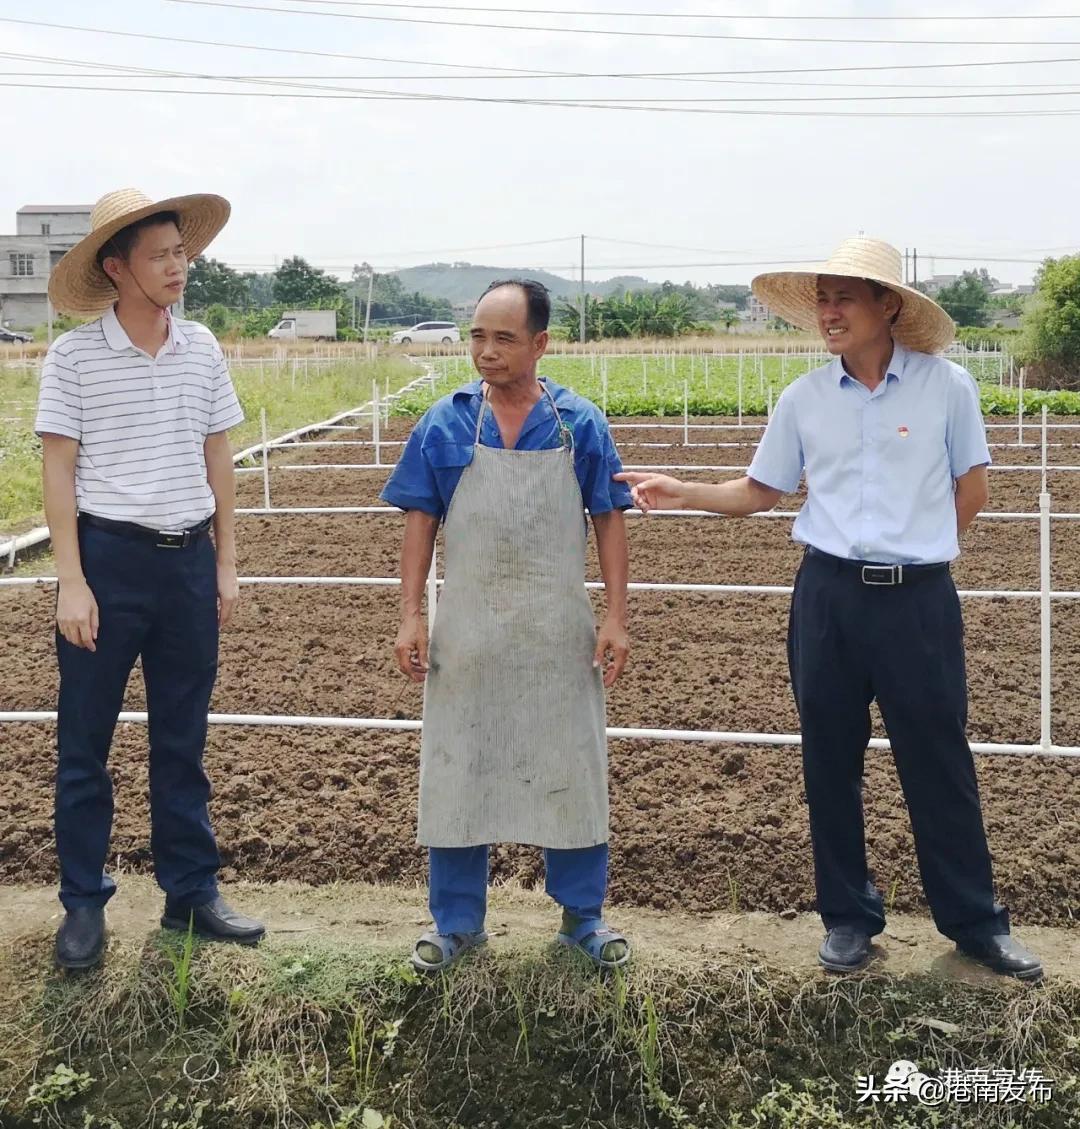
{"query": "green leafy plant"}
[(64, 1084)]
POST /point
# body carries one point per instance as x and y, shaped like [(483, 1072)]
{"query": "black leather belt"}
[(161, 538), (882, 575)]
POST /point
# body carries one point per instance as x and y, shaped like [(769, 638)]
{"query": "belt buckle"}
[(883, 575), (172, 539)]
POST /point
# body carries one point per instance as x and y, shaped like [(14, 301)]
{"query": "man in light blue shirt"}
[(891, 439)]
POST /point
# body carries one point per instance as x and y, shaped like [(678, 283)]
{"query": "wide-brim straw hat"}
[(922, 324), (78, 286)]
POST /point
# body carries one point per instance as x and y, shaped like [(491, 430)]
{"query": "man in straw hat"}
[(892, 442), (133, 414)]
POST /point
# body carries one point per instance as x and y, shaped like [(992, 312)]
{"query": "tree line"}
[(250, 303)]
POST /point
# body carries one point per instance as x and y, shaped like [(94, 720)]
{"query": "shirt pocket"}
[(916, 448), (449, 456)]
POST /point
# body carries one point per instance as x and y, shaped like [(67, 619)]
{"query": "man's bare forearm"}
[(737, 498), (614, 557), (221, 476), (972, 494), (58, 487), (417, 547)]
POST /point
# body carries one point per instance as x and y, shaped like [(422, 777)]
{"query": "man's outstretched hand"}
[(655, 491)]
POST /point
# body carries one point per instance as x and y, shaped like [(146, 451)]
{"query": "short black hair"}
[(120, 245), (537, 301)]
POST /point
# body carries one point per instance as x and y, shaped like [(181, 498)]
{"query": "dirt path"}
[(391, 917)]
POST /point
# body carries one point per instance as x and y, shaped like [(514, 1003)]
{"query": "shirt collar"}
[(897, 365), (117, 339), (558, 393)]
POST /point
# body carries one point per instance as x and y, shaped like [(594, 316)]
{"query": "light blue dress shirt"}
[(880, 466)]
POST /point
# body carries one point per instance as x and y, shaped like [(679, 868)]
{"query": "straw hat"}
[(922, 324), (79, 286)]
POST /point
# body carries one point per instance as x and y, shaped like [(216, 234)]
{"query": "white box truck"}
[(306, 325)]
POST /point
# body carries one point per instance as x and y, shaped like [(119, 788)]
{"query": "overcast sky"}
[(403, 182)]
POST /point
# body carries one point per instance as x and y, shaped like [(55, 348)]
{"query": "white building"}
[(757, 313), (43, 233)]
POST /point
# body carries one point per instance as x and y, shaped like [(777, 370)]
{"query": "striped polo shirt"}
[(141, 421)]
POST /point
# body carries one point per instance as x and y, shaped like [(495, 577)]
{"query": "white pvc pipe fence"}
[(262, 511), (658, 467), (1045, 595), (614, 732), (597, 585)]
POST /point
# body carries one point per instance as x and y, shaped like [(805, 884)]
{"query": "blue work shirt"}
[(441, 447), (880, 466)]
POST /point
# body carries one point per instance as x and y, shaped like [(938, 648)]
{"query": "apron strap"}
[(566, 434)]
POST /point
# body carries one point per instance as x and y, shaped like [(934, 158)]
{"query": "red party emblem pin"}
[(902, 431)]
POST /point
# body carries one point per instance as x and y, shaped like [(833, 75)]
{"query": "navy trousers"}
[(848, 644), (160, 604)]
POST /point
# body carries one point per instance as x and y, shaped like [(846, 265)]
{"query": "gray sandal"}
[(452, 947)]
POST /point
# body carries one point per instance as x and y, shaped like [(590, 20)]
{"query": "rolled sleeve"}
[(778, 461), (965, 430), (226, 411), (597, 467), (413, 485), (59, 398)]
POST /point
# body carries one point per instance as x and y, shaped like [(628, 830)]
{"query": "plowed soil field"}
[(695, 826)]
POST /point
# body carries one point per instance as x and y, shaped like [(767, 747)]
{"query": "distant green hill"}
[(465, 282)]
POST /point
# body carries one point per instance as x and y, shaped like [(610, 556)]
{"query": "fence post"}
[(1020, 412), (1044, 602), (686, 414), (265, 460), (740, 389), (375, 421)]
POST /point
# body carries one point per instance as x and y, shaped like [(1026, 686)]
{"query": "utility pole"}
[(367, 314), (914, 266), (581, 333), (907, 274)]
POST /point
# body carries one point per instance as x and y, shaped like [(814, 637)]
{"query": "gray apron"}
[(514, 746)]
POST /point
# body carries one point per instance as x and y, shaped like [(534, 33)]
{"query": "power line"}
[(598, 102), (273, 79), (142, 72), (627, 33), (612, 105), (681, 15), (172, 40)]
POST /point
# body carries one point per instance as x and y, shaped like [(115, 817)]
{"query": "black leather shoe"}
[(1004, 954), (216, 921), (80, 940), (845, 949)]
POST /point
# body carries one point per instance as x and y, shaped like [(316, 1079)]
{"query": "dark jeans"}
[(160, 604), (849, 643)]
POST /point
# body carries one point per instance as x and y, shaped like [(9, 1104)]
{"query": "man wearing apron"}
[(514, 746), (892, 442)]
